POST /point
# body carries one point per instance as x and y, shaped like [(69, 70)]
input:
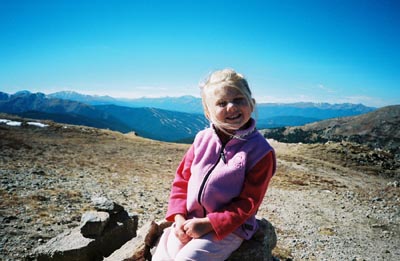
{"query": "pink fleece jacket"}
[(226, 183)]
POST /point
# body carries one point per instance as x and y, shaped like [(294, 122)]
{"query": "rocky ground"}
[(328, 211), (326, 201)]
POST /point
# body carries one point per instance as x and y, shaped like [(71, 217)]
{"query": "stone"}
[(73, 245), (93, 223), (70, 245), (136, 248), (258, 248), (139, 248), (104, 204)]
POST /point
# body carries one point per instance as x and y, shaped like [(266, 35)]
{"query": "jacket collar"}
[(241, 134)]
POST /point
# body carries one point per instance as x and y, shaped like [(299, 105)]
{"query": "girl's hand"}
[(179, 230), (197, 227)]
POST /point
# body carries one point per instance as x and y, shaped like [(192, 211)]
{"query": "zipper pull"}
[(223, 156)]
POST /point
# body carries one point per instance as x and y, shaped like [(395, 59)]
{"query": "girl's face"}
[(229, 106)]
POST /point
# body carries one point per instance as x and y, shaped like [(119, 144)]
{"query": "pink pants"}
[(205, 248)]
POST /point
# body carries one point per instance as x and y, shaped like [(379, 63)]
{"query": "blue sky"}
[(320, 51)]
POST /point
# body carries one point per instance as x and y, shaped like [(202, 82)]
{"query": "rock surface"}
[(259, 248), (138, 248), (93, 223), (99, 235)]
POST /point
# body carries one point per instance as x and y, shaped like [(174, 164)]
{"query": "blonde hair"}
[(224, 78)]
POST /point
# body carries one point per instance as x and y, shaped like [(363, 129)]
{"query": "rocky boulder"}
[(100, 234), (140, 248), (259, 247)]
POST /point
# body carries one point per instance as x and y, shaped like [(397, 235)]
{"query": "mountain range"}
[(268, 115), (188, 104), (175, 119), (191, 104), (378, 129), (147, 122)]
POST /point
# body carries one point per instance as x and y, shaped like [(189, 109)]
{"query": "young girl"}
[(222, 179)]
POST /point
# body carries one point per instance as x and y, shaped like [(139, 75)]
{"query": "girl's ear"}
[(253, 104)]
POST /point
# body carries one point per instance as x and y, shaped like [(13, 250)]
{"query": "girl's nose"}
[(231, 106)]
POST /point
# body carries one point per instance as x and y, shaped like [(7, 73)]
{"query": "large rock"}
[(259, 247), (103, 233), (93, 223), (101, 203), (140, 248), (70, 245)]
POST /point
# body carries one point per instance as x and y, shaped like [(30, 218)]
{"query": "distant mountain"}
[(147, 122), (88, 99), (158, 124), (318, 111), (188, 104), (378, 129), (149, 118), (26, 101), (268, 114), (280, 121), (38, 106), (4, 96)]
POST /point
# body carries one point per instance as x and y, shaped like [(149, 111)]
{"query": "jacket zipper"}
[(221, 156)]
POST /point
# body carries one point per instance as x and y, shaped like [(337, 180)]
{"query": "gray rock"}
[(93, 223), (138, 248), (73, 245), (259, 248), (70, 245), (104, 204)]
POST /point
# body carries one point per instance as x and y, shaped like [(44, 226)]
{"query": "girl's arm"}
[(247, 203), (177, 200)]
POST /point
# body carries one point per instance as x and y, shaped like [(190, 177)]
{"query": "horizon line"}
[(270, 100)]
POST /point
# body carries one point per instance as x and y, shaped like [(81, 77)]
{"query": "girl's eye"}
[(238, 100), (221, 104)]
